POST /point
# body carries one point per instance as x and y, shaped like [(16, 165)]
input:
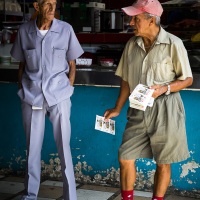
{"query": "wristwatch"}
[(168, 89)]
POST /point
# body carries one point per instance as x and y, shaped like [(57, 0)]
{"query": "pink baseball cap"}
[(150, 6)]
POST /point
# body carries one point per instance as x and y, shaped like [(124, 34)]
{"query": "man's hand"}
[(113, 112), (158, 90)]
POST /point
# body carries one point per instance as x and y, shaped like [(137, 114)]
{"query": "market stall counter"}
[(90, 75)]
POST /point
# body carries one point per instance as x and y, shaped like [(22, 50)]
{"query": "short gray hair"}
[(148, 15), (40, 1)]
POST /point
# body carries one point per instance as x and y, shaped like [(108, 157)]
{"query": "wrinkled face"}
[(47, 9), (140, 24)]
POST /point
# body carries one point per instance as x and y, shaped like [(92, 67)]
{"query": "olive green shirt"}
[(165, 62)]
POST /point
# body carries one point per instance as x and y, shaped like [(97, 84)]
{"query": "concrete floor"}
[(11, 188)]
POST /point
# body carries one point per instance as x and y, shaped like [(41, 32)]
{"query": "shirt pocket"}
[(162, 72), (59, 59), (31, 60), (60, 87), (31, 89)]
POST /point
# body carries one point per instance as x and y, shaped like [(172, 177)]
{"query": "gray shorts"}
[(159, 132)]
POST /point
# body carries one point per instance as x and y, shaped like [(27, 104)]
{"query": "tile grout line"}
[(114, 195)]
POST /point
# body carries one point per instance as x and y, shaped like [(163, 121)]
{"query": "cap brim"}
[(132, 11)]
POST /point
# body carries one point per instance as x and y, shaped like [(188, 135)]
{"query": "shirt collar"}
[(54, 27), (162, 38)]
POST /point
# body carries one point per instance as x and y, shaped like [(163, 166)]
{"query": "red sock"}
[(127, 195), (157, 198)]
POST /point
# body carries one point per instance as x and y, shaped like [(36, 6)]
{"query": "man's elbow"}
[(190, 81)]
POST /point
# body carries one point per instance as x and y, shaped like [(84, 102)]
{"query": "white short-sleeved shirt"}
[(46, 61), (164, 63)]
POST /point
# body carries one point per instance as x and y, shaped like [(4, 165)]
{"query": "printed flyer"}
[(141, 97), (107, 126)]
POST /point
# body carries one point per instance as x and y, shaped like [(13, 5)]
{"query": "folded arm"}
[(175, 86)]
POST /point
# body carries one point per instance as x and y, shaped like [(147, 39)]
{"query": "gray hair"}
[(148, 15), (40, 1)]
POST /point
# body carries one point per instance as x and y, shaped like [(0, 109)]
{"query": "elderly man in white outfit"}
[(46, 48)]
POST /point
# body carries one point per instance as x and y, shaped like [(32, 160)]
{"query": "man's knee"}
[(126, 164), (163, 167)]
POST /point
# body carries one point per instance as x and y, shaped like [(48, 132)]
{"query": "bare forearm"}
[(72, 71), (175, 86), (123, 96), (179, 85)]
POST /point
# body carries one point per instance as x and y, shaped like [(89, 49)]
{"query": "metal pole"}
[(24, 11), (4, 10)]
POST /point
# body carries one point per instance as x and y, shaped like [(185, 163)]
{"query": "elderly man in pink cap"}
[(158, 59)]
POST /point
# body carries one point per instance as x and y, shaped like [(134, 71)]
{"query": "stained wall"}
[(94, 152)]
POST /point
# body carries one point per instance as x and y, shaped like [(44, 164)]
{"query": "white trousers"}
[(34, 125)]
